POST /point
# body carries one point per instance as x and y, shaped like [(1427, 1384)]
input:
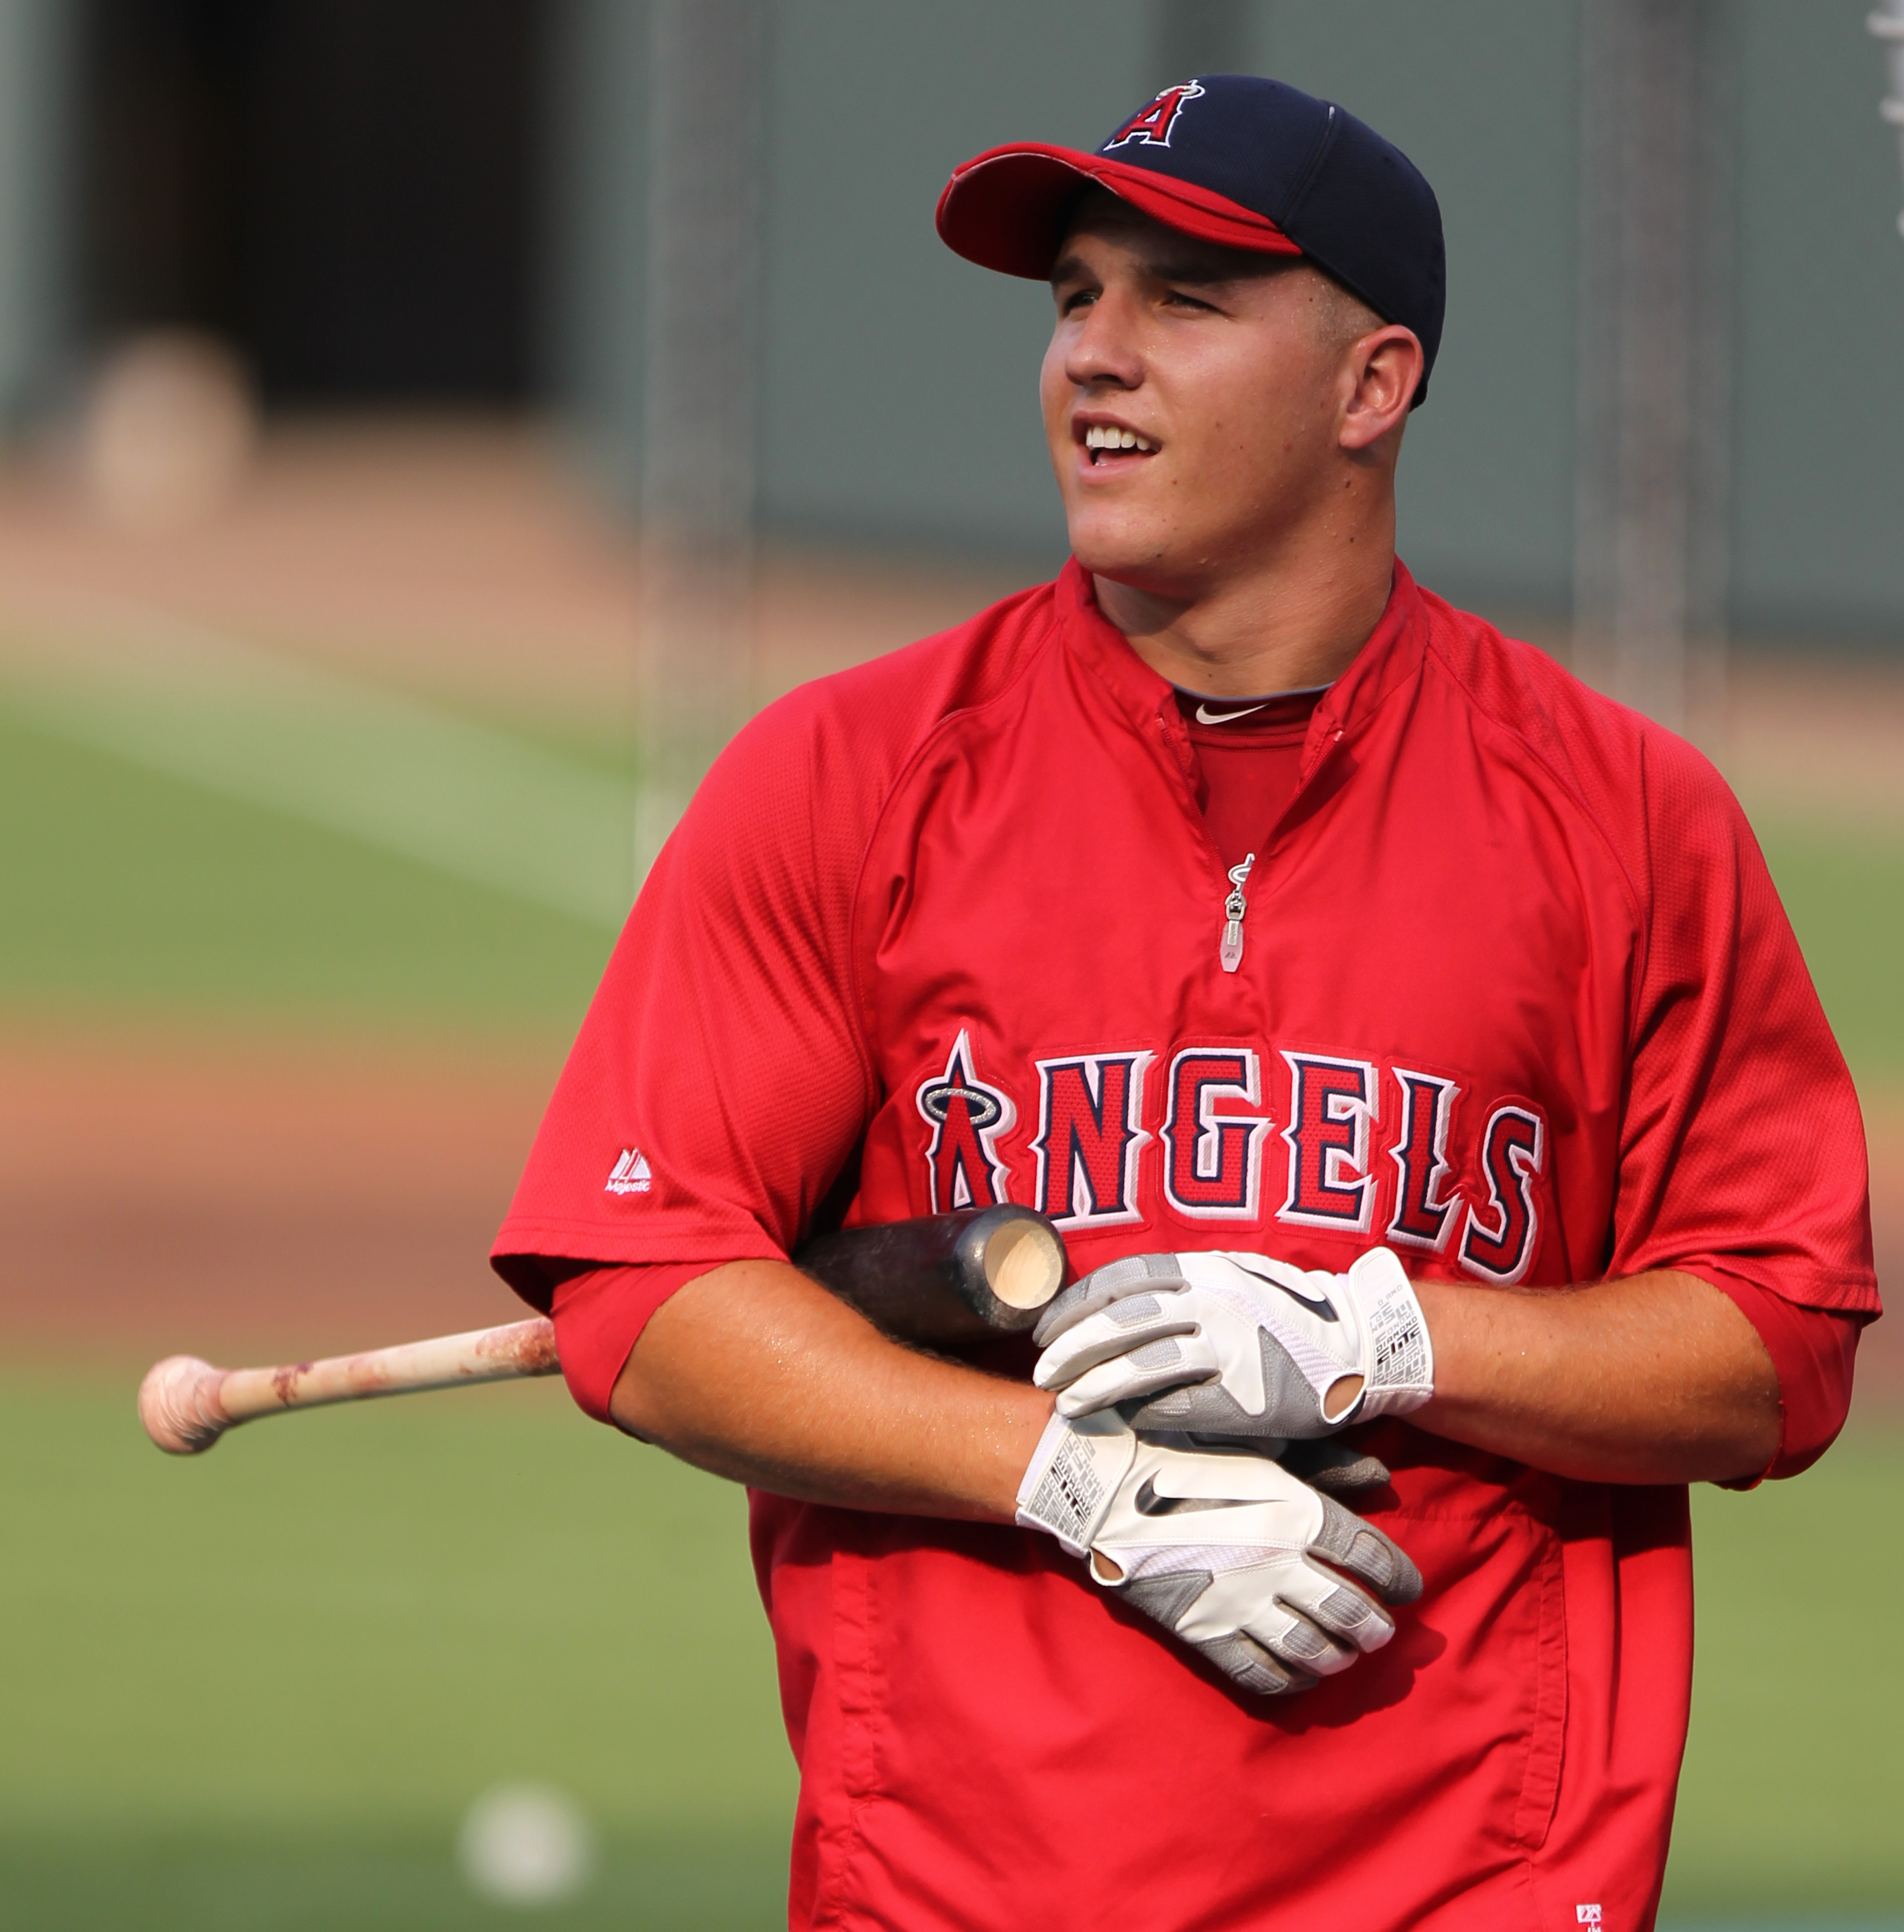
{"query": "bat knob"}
[(178, 1405)]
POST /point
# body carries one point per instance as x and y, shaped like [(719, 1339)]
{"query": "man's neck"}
[(1264, 630)]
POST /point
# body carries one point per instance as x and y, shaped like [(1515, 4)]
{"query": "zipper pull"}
[(1231, 952)]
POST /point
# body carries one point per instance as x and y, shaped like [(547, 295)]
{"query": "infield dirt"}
[(265, 1197)]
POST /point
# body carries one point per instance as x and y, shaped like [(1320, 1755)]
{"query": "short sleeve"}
[(1813, 1351), (1742, 1149), (717, 1086), (599, 1314)]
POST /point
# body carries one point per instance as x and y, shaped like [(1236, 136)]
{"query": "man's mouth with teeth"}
[(1103, 439)]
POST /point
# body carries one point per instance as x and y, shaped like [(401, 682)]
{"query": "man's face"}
[(1231, 371)]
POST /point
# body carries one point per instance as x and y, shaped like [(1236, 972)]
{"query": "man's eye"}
[(1076, 299), (1177, 299)]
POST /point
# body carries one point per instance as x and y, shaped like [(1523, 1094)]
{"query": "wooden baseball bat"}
[(943, 1280)]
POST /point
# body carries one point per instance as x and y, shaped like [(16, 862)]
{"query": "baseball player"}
[(1453, 1158)]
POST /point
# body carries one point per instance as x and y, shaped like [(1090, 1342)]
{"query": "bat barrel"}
[(1016, 1256), (974, 1276)]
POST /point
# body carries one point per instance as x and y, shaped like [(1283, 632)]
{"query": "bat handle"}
[(186, 1405), (178, 1405)]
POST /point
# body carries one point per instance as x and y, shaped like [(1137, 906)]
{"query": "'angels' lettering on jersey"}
[(1422, 1218), (967, 1117), (1214, 1170), (1500, 1241), (1089, 1137), (1090, 1167), (1331, 1112)]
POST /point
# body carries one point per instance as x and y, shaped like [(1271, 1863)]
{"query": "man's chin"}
[(1135, 564), (1133, 550)]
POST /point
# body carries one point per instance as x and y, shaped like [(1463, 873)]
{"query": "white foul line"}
[(465, 799)]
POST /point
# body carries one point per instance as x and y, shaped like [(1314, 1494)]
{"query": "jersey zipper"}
[(1236, 905), (1230, 951)]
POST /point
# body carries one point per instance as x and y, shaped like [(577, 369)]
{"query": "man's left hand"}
[(1238, 1345)]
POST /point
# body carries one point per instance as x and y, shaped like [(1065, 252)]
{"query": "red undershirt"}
[(1248, 751)]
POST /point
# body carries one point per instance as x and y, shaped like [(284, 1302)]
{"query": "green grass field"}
[(1794, 1768), (260, 1690), (1844, 889), (138, 894)]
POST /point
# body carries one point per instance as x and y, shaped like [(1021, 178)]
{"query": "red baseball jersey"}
[(1515, 995)]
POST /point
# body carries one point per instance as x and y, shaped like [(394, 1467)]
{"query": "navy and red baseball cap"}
[(1243, 162)]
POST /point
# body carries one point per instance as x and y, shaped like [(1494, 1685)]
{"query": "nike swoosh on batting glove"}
[(1238, 1345), (1226, 1549)]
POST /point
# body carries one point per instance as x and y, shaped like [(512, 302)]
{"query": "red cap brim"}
[(1008, 207)]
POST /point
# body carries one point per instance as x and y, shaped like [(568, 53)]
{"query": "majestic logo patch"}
[(1499, 1244), (966, 1117), (1213, 1162), (631, 1175), (1089, 1138), (1153, 126)]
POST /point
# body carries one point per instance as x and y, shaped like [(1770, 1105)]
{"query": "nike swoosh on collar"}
[(1205, 715)]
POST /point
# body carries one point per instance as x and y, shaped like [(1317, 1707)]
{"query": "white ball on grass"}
[(524, 1844)]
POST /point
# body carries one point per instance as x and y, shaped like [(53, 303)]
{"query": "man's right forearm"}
[(758, 1374)]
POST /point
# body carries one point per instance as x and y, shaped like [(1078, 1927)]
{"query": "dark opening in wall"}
[(347, 190)]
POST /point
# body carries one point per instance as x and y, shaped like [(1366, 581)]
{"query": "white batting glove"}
[(1236, 1344), (1221, 1548)]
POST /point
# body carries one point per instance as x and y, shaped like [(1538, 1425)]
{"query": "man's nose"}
[(1106, 350)]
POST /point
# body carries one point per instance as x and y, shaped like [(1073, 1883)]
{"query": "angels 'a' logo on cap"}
[(1152, 126)]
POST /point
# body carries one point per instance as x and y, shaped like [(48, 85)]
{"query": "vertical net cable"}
[(1887, 24), (706, 94), (1653, 396)]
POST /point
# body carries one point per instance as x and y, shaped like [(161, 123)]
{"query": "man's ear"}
[(1385, 366)]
